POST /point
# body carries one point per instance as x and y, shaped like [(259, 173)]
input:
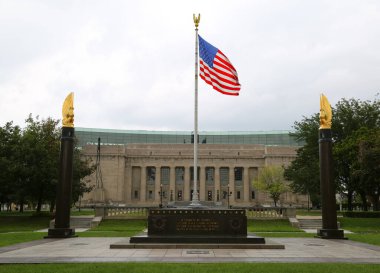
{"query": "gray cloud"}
[(131, 63)]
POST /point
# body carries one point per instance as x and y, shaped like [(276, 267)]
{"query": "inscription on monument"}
[(174, 222), (192, 224)]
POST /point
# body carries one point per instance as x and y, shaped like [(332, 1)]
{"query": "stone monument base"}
[(145, 239), (61, 233), (197, 226), (324, 233)]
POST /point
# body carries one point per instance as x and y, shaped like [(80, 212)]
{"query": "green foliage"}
[(362, 214), (29, 164), (271, 179)]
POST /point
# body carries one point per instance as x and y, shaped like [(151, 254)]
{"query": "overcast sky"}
[(131, 63)]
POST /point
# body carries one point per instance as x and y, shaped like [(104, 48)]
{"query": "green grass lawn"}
[(16, 229), (23, 223), (361, 225), (116, 228), (281, 225), (193, 268), (7, 239)]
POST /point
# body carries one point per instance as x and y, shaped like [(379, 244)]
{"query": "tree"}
[(10, 136), (303, 172), (82, 169), (29, 164), (271, 179), (351, 118), (42, 146)]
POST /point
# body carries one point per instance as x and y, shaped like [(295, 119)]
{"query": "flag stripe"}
[(220, 77), (216, 70)]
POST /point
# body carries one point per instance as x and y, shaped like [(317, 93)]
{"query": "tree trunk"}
[(39, 202), (349, 200), (22, 205), (52, 205), (375, 198), (363, 197)]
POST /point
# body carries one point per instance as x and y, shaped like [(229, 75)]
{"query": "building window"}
[(179, 195), (136, 195), (238, 173), (150, 195), (210, 175), (209, 195), (224, 176), (225, 193), (253, 194), (179, 175), (150, 175), (238, 195), (165, 175), (192, 173)]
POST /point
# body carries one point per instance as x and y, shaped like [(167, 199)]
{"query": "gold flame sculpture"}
[(325, 114), (68, 111)]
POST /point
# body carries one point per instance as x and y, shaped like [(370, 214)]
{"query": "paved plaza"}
[(98, 250)]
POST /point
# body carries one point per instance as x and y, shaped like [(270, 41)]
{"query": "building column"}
[(202, 183), (143, 185), (246, 186), (128, 184), (157, 184), (186, 185), (217, 185), (172, 183), (232, 185)]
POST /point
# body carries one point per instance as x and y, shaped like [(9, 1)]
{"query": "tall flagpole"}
[(195, 197)]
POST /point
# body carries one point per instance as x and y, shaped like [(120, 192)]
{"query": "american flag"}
[(217, 70)]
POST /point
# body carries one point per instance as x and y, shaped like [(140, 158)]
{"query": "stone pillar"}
[(172, 183), (143, 185), (246, 186), (63, 203), (186, 185), (217, 185), (157, 186), (202, 183), (232, 185), (329, 219), (128, 184)]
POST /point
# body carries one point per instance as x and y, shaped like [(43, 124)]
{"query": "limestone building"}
[(145, 168)]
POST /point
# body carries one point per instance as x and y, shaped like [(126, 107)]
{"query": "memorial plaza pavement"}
[(80, 249)]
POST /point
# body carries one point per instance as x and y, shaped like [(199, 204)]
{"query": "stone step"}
[(310, 223)]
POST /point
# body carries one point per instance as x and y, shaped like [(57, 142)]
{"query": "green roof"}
[(125, 137)]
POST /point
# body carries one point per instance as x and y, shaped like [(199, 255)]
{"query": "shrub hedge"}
[(361, 214)]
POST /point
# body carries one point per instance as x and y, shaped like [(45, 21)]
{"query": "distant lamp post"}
[(228, 195)]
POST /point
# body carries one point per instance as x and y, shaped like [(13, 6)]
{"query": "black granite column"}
[(63, 203), (329, 219)]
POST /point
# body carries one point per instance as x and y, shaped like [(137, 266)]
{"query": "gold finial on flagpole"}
[(196, 19)]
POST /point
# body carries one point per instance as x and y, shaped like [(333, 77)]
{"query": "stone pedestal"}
[(63, 204)]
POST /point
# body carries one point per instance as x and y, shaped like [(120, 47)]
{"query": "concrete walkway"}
[(76, 250)]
